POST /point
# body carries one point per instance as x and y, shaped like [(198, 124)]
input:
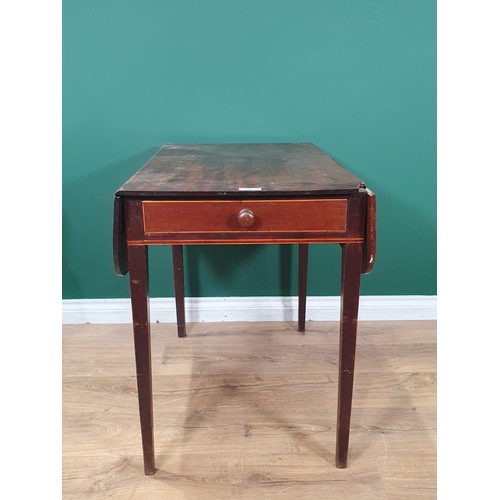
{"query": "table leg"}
[(303, 259), (178, 263), (351, 274), (139, 293)]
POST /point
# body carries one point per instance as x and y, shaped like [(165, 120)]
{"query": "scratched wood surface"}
[(247, 410), (232, 169)]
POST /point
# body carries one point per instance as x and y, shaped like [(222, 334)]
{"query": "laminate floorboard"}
[(248, 410)]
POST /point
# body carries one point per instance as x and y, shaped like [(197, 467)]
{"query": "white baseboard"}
[(220, 309)]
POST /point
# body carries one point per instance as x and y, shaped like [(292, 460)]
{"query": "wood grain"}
[(370, 240), (302, 286), (228, 170), (349, 305), (247, 410), (139, 294), (178, 268), (216, 216), (119, 238)]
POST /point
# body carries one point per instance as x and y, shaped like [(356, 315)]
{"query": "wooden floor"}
[(247, 410)]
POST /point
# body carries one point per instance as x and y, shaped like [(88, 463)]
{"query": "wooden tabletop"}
[(235, 170)]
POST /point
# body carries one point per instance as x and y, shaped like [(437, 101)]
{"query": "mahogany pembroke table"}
[(191, 194)]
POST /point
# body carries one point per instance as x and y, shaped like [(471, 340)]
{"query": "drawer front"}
[(244, 217)]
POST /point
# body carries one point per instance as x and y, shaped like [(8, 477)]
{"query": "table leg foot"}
[(149, 468)]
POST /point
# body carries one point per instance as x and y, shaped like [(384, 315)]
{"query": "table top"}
[(236, 170)]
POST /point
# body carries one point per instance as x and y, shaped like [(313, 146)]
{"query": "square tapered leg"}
[(139, 292), (351, 277)]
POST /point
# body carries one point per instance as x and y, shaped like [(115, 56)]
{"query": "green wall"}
[(356, 77)]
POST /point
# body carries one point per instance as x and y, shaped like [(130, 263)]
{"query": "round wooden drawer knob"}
[(246, 218)]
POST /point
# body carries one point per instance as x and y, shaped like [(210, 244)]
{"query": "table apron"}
[(165, 222)]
